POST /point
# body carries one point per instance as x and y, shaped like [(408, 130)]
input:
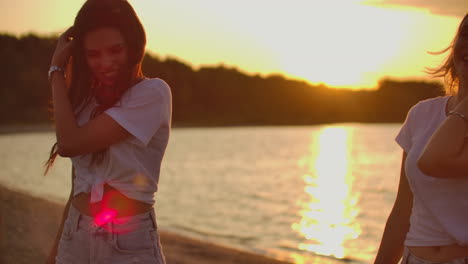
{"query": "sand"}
[(28, 226)]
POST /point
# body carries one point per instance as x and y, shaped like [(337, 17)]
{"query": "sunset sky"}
[(341, 43)]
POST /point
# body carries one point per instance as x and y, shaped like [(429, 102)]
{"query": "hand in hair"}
[(63, 50)]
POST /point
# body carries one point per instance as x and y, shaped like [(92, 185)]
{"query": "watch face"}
[(54, 68)]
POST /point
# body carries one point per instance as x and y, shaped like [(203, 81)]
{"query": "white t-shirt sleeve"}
[(404, 137), (143, 109)]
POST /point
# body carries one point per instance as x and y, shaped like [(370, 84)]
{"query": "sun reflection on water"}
[(328, 213)]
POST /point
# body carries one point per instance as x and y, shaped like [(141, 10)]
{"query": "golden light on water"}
[(328, 216)]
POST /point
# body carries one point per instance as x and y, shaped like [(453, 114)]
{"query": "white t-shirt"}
[(440, 206), (133, 165)]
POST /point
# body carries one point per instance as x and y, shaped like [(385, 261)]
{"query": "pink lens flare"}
[(105, 217)]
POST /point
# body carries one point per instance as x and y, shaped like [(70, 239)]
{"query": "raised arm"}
[(446, 153), (391, 246), (72, 139)]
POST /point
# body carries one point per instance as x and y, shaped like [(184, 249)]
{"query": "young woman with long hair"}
[(114, 124), (429, 220)]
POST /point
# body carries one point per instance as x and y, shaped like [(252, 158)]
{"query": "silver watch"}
[(53, 69)]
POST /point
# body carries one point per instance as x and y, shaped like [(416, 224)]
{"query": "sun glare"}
[(328, 216), (347, 47), (339, 43)]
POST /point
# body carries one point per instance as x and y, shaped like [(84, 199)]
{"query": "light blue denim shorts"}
[(409, 258), (133, 239)]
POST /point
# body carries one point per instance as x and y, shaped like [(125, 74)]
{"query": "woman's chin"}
[(107, 82)]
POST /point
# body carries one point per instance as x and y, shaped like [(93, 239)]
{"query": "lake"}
[(299, 193)]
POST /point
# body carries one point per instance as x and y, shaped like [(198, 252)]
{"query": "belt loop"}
[(75, 217), (153, 218), (77, 224), (111, 233)]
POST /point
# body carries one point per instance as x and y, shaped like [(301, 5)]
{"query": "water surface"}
[(305, 193)]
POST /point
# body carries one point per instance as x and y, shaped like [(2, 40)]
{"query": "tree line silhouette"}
[(210, 96)]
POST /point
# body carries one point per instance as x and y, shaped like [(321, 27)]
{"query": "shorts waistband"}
[(109, 223), (410, 258)]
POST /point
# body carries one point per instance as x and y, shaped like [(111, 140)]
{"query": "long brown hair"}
[(447, 68), (95, 14)]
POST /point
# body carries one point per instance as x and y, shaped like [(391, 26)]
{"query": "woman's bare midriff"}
[(440, 253), (112, 200)]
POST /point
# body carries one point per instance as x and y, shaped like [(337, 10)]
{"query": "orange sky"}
[(341, 43)]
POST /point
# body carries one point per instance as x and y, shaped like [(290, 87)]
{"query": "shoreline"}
[(49, 127), (26, 128), (28, 226)]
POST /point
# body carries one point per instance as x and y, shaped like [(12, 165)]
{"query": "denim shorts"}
[(409, 258), (133, 239)]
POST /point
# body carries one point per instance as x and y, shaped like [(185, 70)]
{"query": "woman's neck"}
[(457, 98)]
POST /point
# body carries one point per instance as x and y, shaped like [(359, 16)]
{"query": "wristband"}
[(53, 69)]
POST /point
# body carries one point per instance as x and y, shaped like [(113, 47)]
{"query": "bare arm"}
[(446, 154), (391, 246), (72, 139), (53, 252)]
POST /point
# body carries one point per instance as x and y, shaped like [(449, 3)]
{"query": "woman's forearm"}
[(445, 155), (391, 246), (393, 238), (396, 228), (65, 123), (447, 141), (398, 222)]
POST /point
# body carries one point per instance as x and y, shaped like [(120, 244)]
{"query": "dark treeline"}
[(210, 95)]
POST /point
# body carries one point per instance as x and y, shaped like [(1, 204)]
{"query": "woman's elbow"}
[(65, 151), (430, 167)]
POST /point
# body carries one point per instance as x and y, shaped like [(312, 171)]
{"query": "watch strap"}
[(53, 69)]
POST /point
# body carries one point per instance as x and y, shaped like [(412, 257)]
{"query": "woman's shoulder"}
[(150, 87), (434, 100), (431, 104), (152, 84)]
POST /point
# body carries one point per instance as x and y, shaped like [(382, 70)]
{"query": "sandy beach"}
[(28, 226), (26, 128)]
